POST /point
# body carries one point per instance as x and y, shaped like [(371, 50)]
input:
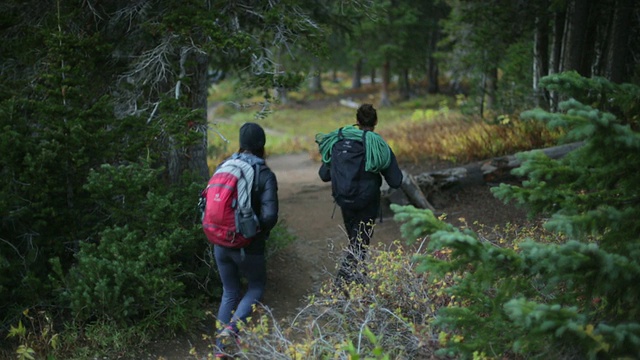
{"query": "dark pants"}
[(359, 225), (232, 265)]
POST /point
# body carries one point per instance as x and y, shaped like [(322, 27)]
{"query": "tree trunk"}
[(194, 157), (373, 76), (541, 54), (316, 84), (433, 74), (589, 54), (555, 64), (575, 48), (356, 81), (282, 95), (432, 65), (618, 51), (386, 78), (483, 90), (492, 88), (405, 85), (280, 92), (197, 153), (316, 80)]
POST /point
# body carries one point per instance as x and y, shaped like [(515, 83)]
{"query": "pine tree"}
[(578, 293)]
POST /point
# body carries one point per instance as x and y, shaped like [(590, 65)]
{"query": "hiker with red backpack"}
[(354, 159), (240, 207)]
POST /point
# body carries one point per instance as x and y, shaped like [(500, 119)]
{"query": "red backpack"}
[(228, 219)]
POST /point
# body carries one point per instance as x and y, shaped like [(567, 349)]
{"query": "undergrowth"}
[(390, 315), (451, 137), (387, 315)]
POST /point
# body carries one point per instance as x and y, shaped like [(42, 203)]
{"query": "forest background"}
[(105, 141)]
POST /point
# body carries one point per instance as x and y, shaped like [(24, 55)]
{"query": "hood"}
[(249, 158)]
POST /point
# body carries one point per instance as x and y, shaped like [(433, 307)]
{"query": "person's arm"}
[(269, 201), (324, 172), (393, 174)]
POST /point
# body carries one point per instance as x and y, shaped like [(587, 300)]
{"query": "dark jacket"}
[(264, 202), (392, 174)]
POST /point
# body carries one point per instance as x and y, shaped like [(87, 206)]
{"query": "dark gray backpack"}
[(347, 168)]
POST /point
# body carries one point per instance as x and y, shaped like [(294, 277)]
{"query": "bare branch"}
[(155, 108), (13, 247), (153, 67), (93, 9), (183, 59), (133, 10)]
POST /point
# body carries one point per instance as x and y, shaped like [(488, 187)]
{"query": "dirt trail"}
[(306, 207), (299, 269)]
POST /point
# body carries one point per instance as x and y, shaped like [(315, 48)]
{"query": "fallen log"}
[(413, 191), (494, 169), (416, 188), (409, 193), (500, 167)]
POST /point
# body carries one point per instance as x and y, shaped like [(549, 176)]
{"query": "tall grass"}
[(289, 129), (418, 130), (459, 139)]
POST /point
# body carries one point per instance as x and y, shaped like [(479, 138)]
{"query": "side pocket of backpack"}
[(247, 224)]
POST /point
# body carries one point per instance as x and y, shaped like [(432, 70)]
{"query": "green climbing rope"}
[(378, 154)]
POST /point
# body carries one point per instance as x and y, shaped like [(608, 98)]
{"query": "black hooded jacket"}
[(265, 204)]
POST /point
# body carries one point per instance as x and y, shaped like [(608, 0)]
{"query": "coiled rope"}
[(377, 152)]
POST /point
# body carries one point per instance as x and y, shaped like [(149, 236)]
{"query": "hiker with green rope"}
[(354, 159)]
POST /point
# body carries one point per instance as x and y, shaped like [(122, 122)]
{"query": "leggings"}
[(232, 266)]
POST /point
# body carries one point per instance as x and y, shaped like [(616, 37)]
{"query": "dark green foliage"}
[(75, 202), (144, 255), (551, 299), (593, 190), (103, 140), (481, 38)]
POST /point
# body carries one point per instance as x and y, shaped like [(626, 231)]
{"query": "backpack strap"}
[(256, 177), (364, 141), (364, 146)]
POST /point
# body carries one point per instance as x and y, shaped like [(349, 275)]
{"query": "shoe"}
[(227, 332), (226, 336)]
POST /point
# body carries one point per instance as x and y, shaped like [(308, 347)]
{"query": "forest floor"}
[(306, 207)]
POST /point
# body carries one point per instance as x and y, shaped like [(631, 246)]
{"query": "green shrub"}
[(133, 270), (576, 295)]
